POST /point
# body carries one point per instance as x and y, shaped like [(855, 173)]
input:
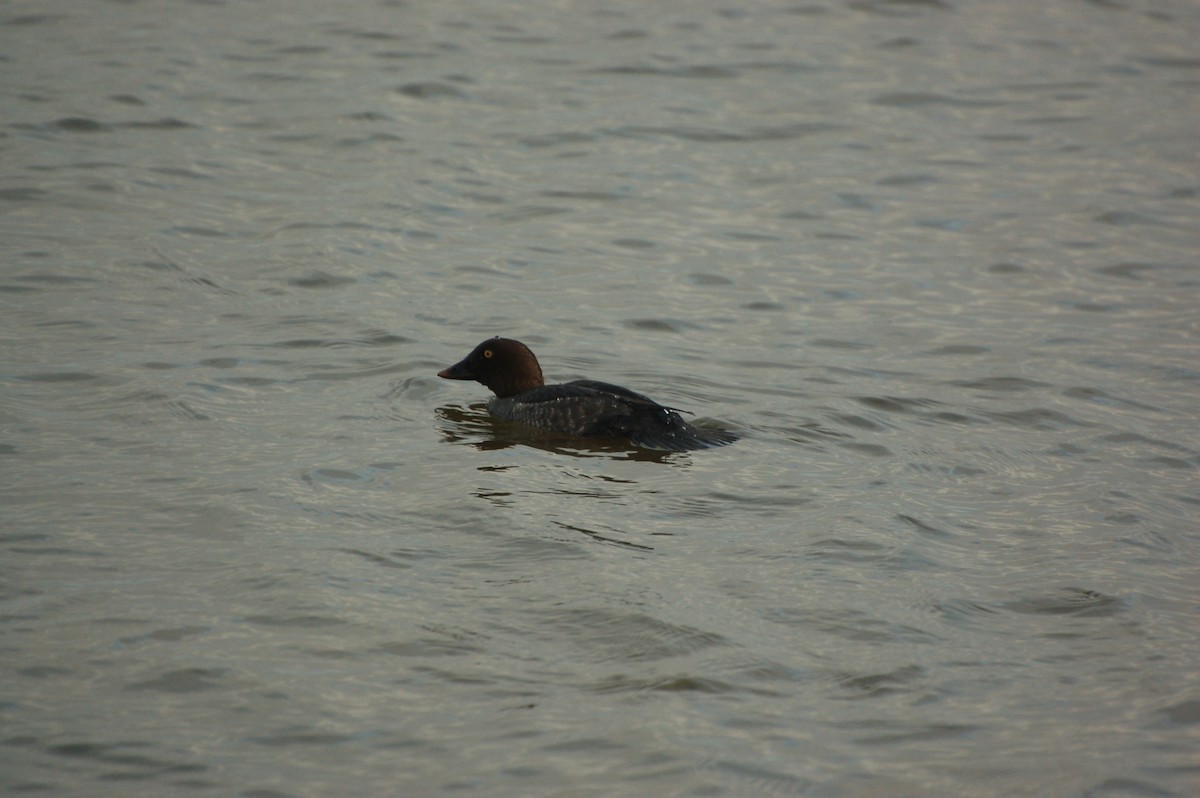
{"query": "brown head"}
[(505, 366)]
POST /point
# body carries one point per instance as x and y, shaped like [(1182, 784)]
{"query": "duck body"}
[(582, 408)]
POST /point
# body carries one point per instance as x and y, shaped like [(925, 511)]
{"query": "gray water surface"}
[(935, 261)]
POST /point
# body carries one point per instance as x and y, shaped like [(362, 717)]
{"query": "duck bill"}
[(459, 371)]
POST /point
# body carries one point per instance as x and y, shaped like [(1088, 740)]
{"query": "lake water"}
[(937, 261)]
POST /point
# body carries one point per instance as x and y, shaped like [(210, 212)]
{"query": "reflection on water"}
[(935, 261)]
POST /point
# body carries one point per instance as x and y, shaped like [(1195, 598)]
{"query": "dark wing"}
[(601, 409), (648, 424), (581, 408), (615, 390)]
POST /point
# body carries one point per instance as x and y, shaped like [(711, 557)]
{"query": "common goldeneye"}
[(583, 408)]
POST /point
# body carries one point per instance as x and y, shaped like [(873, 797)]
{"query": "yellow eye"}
[(487, 353)]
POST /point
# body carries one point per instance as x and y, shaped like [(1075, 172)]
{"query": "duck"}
[(581, 408)]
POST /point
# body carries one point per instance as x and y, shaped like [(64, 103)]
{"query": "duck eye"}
[(487, 353)]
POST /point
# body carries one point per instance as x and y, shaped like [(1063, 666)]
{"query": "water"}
[(936, 261)]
